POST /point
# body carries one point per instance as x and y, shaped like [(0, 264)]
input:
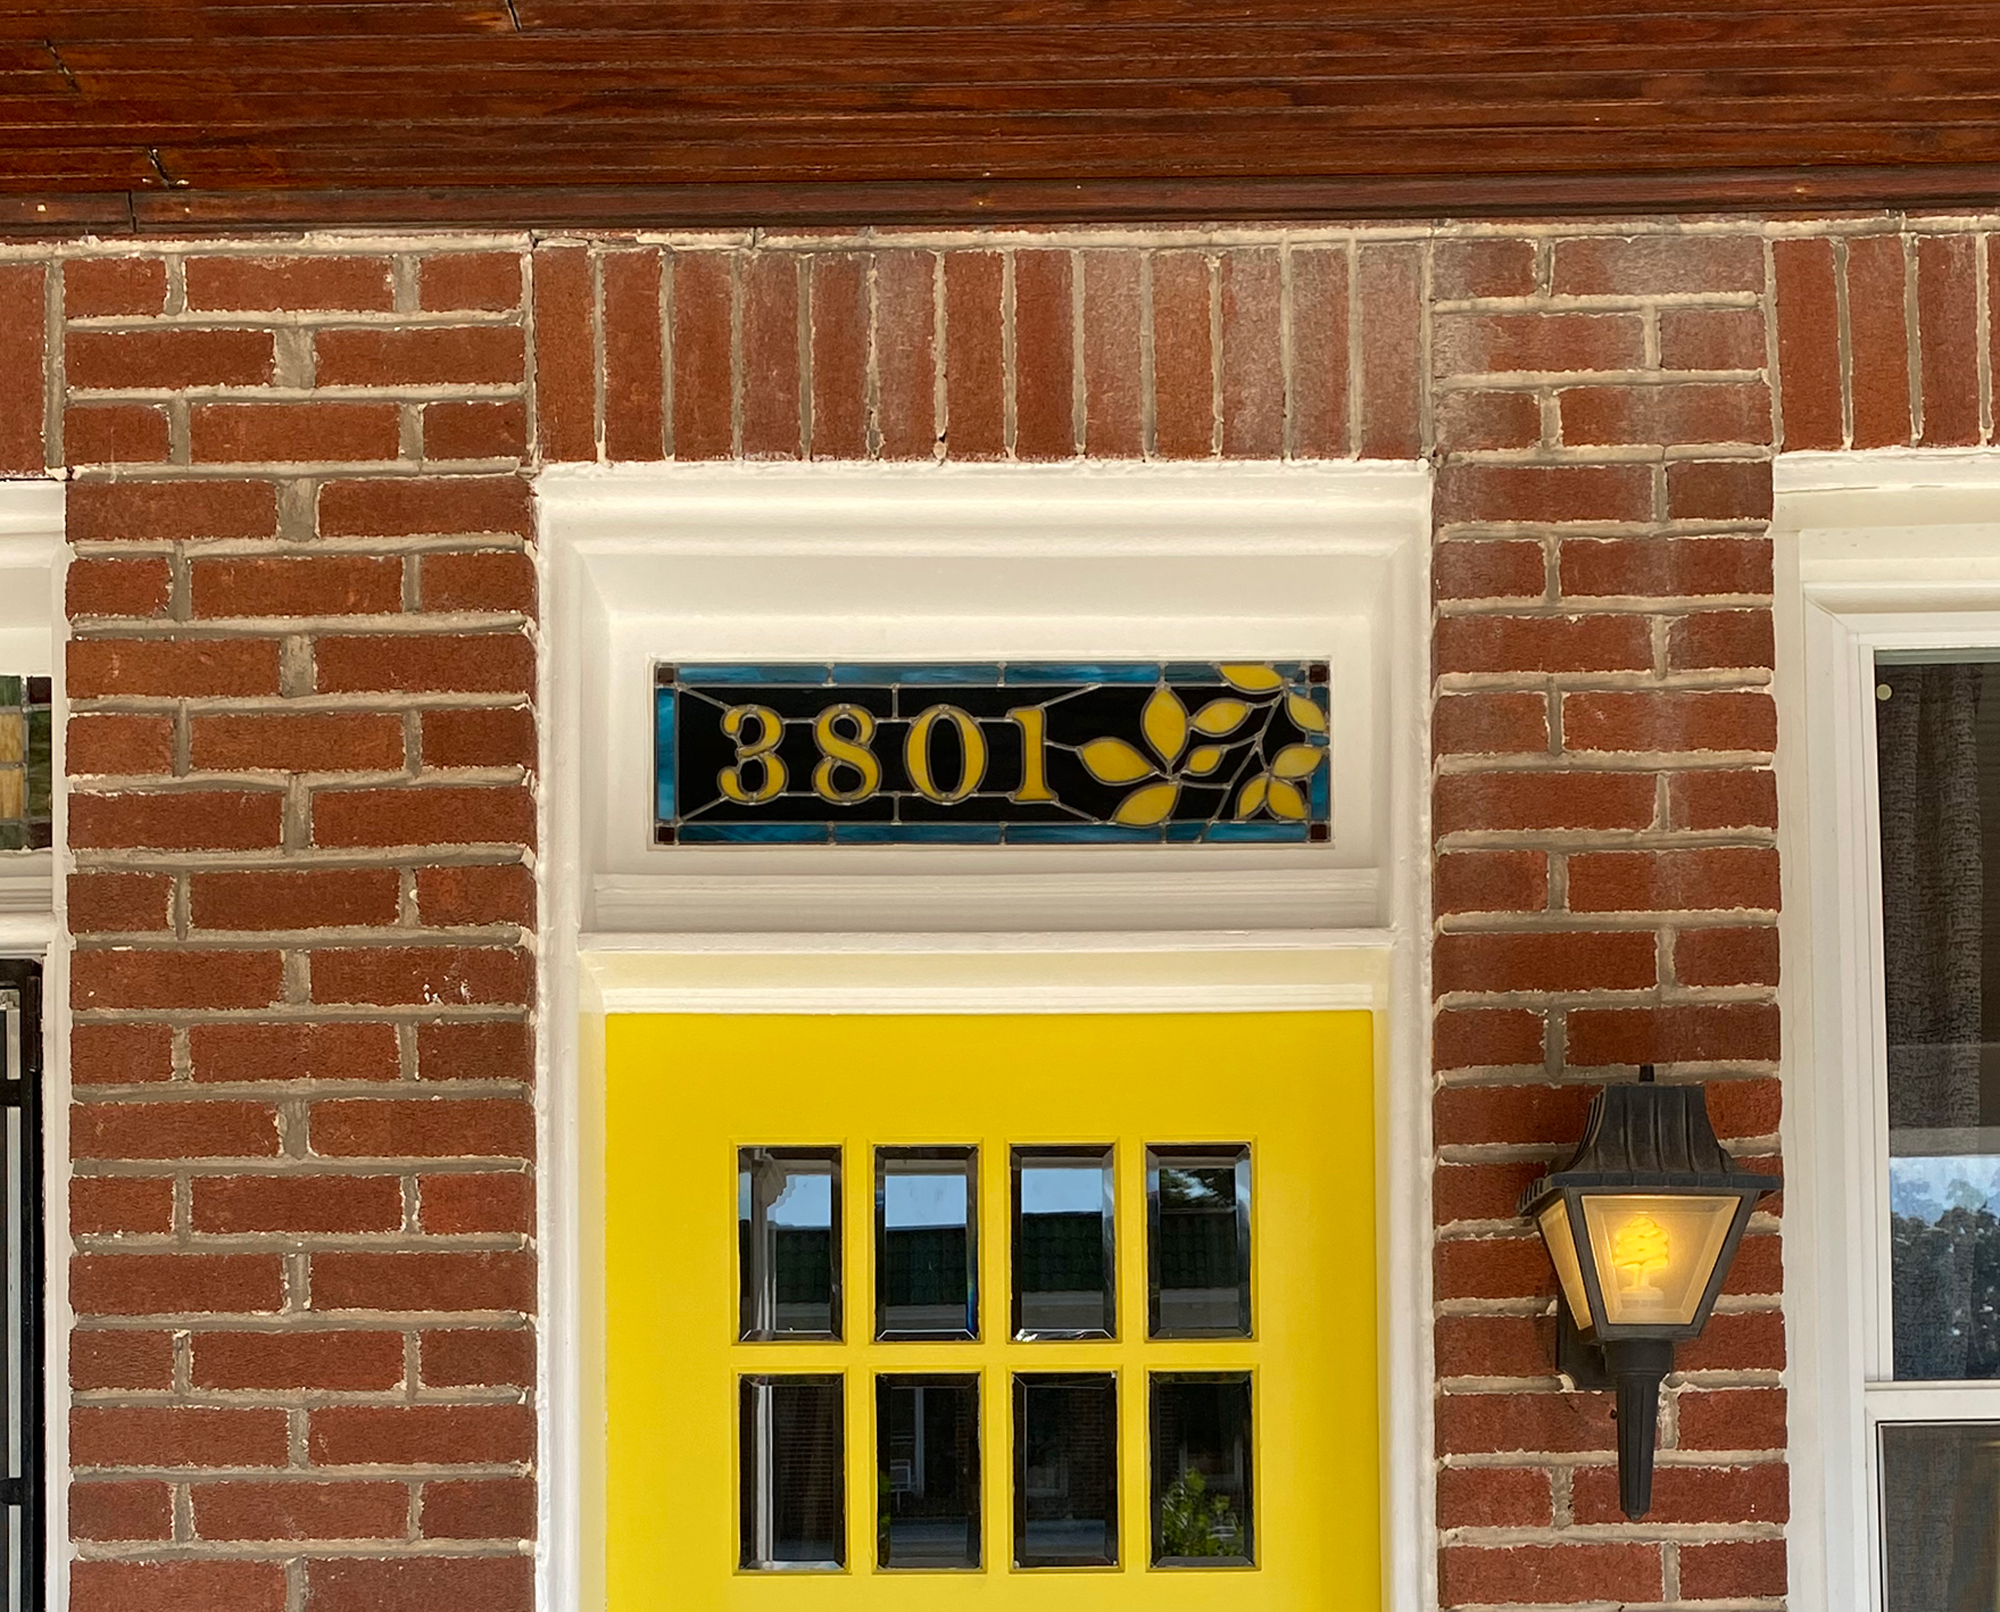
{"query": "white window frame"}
[(1881, 551), (1163, 559)]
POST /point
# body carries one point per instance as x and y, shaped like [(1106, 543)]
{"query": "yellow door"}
[(1036, 1311)]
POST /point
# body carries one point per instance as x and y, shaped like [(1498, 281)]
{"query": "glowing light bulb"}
[(1640, 1248)]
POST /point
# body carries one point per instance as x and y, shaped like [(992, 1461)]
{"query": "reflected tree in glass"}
[(1065, 1238), (788, 1242), (1198, 1241), (792, 1469), (927, 1472), (1065, 1469), (1201, 1469), (926, 1242)]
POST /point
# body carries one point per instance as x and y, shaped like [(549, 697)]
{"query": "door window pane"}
[(794, 1493), (927, 1471), (926, 1242), (1937, 731), (1065, 1469), (1198, 1241), (1940, 1497), (1065, 1233), (1201, 1470), (788, 1242)]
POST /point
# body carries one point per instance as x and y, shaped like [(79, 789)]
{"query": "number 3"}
[(761, 751)]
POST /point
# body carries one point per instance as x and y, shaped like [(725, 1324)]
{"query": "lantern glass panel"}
[(1554, 1221), (1655, 1252)]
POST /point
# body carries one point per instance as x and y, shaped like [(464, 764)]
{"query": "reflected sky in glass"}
[(1926, 1188), (805, 1201), (1068, 1189), (918, 1202)]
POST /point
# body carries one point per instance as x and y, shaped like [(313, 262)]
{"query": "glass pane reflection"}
[(1201, 1470), (788, 1242), (1940, 1516), (1198, 1243), (1064, 1240), (794, 1494), (1065, 1469), (927, 1471), (926, 1242)]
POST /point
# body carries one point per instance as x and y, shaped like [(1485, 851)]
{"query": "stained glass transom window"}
[(26, 764)]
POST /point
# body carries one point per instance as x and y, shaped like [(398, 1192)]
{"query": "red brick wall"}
[(302, 753)]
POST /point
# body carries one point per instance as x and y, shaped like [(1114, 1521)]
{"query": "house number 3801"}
[(848, 769)]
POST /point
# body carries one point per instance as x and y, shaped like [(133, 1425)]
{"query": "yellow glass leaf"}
[(1165, 720), (1252, 798), (1113, 761), (1297, 760), (1220, 716), (1204, 759), (1286, 801), (1251, 679), (1147, 805), (1306, 716)]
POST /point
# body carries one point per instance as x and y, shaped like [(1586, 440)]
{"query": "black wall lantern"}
[(1641, 1226)]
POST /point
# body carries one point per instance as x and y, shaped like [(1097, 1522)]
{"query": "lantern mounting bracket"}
[(1577, 1358)]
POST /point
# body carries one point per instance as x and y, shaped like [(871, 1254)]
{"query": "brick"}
[(1723, 799), (174, 1284), (475, 430), (1515, 1267), (503, 1051), (23, 353), (1490, 724), (1044, 356), (1491, 881), (1482, 268), (1184, 400), (1719, 490), (772, 428), (1752, 1340), (486, 1202), (1389, 283), (99, 287), (414, 975), (413, 1435), (490, 281), (501, 580), (1712, 338), (1691, 1494), (319, 585), (289, 284), (1948, 338), (1464, 568), (1320, 356), (1113, 324), (129, 902), (1495, 1346), (300, 1510), (121, 1359), (1733, 1419), (1491, 493), (503, 894), (127, 746), (1481, 1191), (177, 1586), (1546, 1573), (334, 1361), (1688, 1032), (424, 1282), (1532, 800), (98, 587), (1253, 363), (1733, 1570), (1469, 420), (1745, 1107), (181, 979), (108, 1511), (490, 1508), (1687, 722), (235, 433), (905, 354), (1737, 639), (1716, 879), (1878, 343), (478, 1357), (178, 820), (428, 355), (1747, 956), (320, 742), (1536, 343), (1462, 1038), (565, 352), (204, 1130), (1594, 416), (229, 1204), (115, 1203), (100, 667), (411, 506), (257, 1052), (168, 358), (1757, 1272), (634, 424), (115, 434), (839, 292), (1479, 1424), (1657, 265), (119, 1054), (1808, 316), (1573, 960), (974, 355), (489, 738), (704, 379), (169, 511), (423, 816), (1493, 643), (476, 663), (429, 1128), (422, 1584)]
